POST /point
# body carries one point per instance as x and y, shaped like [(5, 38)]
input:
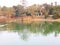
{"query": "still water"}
[(40, 33)]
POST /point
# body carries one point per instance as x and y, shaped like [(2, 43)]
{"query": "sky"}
[(10, 3)]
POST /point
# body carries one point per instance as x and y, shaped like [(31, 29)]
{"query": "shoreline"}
[(28, 19)]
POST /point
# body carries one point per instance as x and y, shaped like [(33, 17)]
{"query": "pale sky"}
[(9, 3)]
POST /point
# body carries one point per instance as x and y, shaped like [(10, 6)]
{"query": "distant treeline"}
[(33, 10)]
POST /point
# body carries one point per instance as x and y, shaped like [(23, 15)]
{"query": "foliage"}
[(19, 10)]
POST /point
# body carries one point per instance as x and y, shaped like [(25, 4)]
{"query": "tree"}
[(47, 10), (32, 9), (50, 11), (8, 11), (19, 10), (56, 12)]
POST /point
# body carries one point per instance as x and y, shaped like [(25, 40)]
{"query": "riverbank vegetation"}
[(44, 11)]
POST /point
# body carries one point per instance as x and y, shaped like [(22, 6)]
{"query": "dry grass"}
[(27, 19)]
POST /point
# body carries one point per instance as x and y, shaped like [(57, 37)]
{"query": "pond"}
[(39, 33)]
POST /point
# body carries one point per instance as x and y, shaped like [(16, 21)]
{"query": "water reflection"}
[(25, 29), (33, 33)]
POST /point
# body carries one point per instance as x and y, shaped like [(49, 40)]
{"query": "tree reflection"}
[(23, 30)]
